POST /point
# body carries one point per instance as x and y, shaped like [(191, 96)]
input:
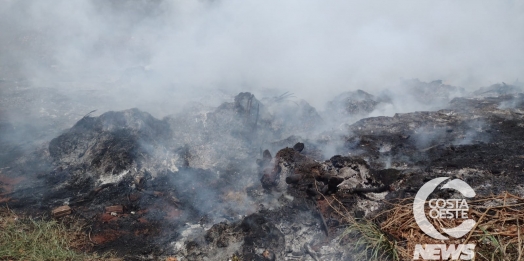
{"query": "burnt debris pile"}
[(351, 106), (355, 103), (258, 179)]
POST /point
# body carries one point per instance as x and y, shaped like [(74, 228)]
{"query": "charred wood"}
[(370, 190)]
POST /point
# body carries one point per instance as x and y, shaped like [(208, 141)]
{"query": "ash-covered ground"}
[(253, 176)]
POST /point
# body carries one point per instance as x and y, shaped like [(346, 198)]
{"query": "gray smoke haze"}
[(158, 50), (160, 55)]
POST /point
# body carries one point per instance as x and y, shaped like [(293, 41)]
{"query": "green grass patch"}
[(368, 242), (37, 239)]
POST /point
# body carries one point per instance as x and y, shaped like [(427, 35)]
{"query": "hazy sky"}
[(313, 48)]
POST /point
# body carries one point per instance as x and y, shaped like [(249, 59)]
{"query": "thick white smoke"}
[(161, 50)]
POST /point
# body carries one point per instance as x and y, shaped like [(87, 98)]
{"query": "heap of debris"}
[(213, 183)]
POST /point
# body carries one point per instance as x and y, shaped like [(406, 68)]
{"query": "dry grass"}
[(393, 234), (31, 239), (498, 234), (366, 239)]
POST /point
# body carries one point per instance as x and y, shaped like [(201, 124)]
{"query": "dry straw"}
[(393, 233)]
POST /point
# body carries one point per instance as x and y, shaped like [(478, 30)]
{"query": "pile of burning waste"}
[(266, 180)]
